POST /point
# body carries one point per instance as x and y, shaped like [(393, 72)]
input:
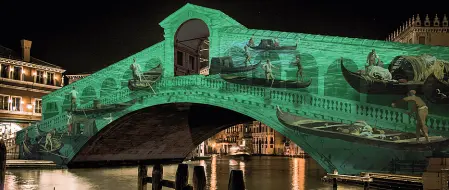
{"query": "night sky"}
[(85, 36)]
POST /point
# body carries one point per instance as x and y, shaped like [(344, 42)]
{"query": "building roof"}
[(10, 54)]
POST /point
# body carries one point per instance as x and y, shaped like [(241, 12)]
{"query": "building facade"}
[(266, 141), (23, 81), (423, 31), (258, 137), (73, 78)]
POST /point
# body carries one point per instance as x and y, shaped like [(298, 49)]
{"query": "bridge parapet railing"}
[(380, 115), (364, 111)]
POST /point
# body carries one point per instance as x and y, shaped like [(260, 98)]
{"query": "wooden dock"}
[(377, 180), (30, 164), (395, 177)]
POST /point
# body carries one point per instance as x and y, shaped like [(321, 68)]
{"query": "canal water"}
[(261, 173)]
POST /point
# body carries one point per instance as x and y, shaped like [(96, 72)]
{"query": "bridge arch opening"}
[(168, 133), (191, 48)]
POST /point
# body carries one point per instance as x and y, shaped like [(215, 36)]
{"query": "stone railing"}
[(291, 100)]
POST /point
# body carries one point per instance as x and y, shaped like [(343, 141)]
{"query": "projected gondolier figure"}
[(276, 42), (268, 67), (371, 59), (73, 96), (421, 110), (247, 55), (135, 68), (297, 62), (48, 139), (251, 42)]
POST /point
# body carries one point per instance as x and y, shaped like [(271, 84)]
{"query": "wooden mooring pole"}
[(2, 164), (182, 177), (199, 178), (334, 183), (142, 171), (236, 181), (156, 177)]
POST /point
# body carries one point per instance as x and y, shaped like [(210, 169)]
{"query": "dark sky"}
[(84, 36)]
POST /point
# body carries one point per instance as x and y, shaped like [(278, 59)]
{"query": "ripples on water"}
[(261, 173)]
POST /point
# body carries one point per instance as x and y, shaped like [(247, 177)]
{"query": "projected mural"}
[(343, 100), (404, 73)]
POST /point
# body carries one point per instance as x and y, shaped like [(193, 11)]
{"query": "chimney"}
[(26, 47)]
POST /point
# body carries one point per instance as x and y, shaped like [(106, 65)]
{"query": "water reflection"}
[(213, 173), (299, 173), (260, 173)]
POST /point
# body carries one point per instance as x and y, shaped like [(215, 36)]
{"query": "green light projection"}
[(328, 96)]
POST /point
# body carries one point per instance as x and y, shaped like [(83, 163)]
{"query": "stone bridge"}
[(155, 129)]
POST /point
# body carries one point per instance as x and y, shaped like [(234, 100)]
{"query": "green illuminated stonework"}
[(329, 97)]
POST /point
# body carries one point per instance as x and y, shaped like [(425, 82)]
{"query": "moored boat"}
[(368, 85), (147, 79), (436, 91), (103, 109), (239, 152), (268, 44), (225, 65), (266, 83), (361, 133)]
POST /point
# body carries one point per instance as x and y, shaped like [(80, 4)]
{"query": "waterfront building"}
[(23, 81), (292, 149), (73, 78), (423, 31), (265, 140), (256, 136)]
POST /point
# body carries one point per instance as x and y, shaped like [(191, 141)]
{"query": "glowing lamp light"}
[(22, 102), (9, 100), (29, 106)]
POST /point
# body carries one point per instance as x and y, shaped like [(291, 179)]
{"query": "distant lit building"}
[(292, 149), (427, 31), (265, 140), (23, 81), (74, 78), (256, 136)]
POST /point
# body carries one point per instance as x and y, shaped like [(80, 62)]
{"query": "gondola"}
[(147, 79), (226, 65), (366, 85), (435, 90), (265, 83), (103, 109), (268, 45), (354, 133)]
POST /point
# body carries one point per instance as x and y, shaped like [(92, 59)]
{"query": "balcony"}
[(19, 116), (26, 85)]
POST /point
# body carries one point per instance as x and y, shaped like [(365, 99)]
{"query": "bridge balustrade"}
[(319, 107)]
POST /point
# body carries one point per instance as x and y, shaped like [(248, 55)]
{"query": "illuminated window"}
[(4, 102), (50, 78), (38, 106), (40, 77), (16, 103), (4, 70), (17, 73)]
